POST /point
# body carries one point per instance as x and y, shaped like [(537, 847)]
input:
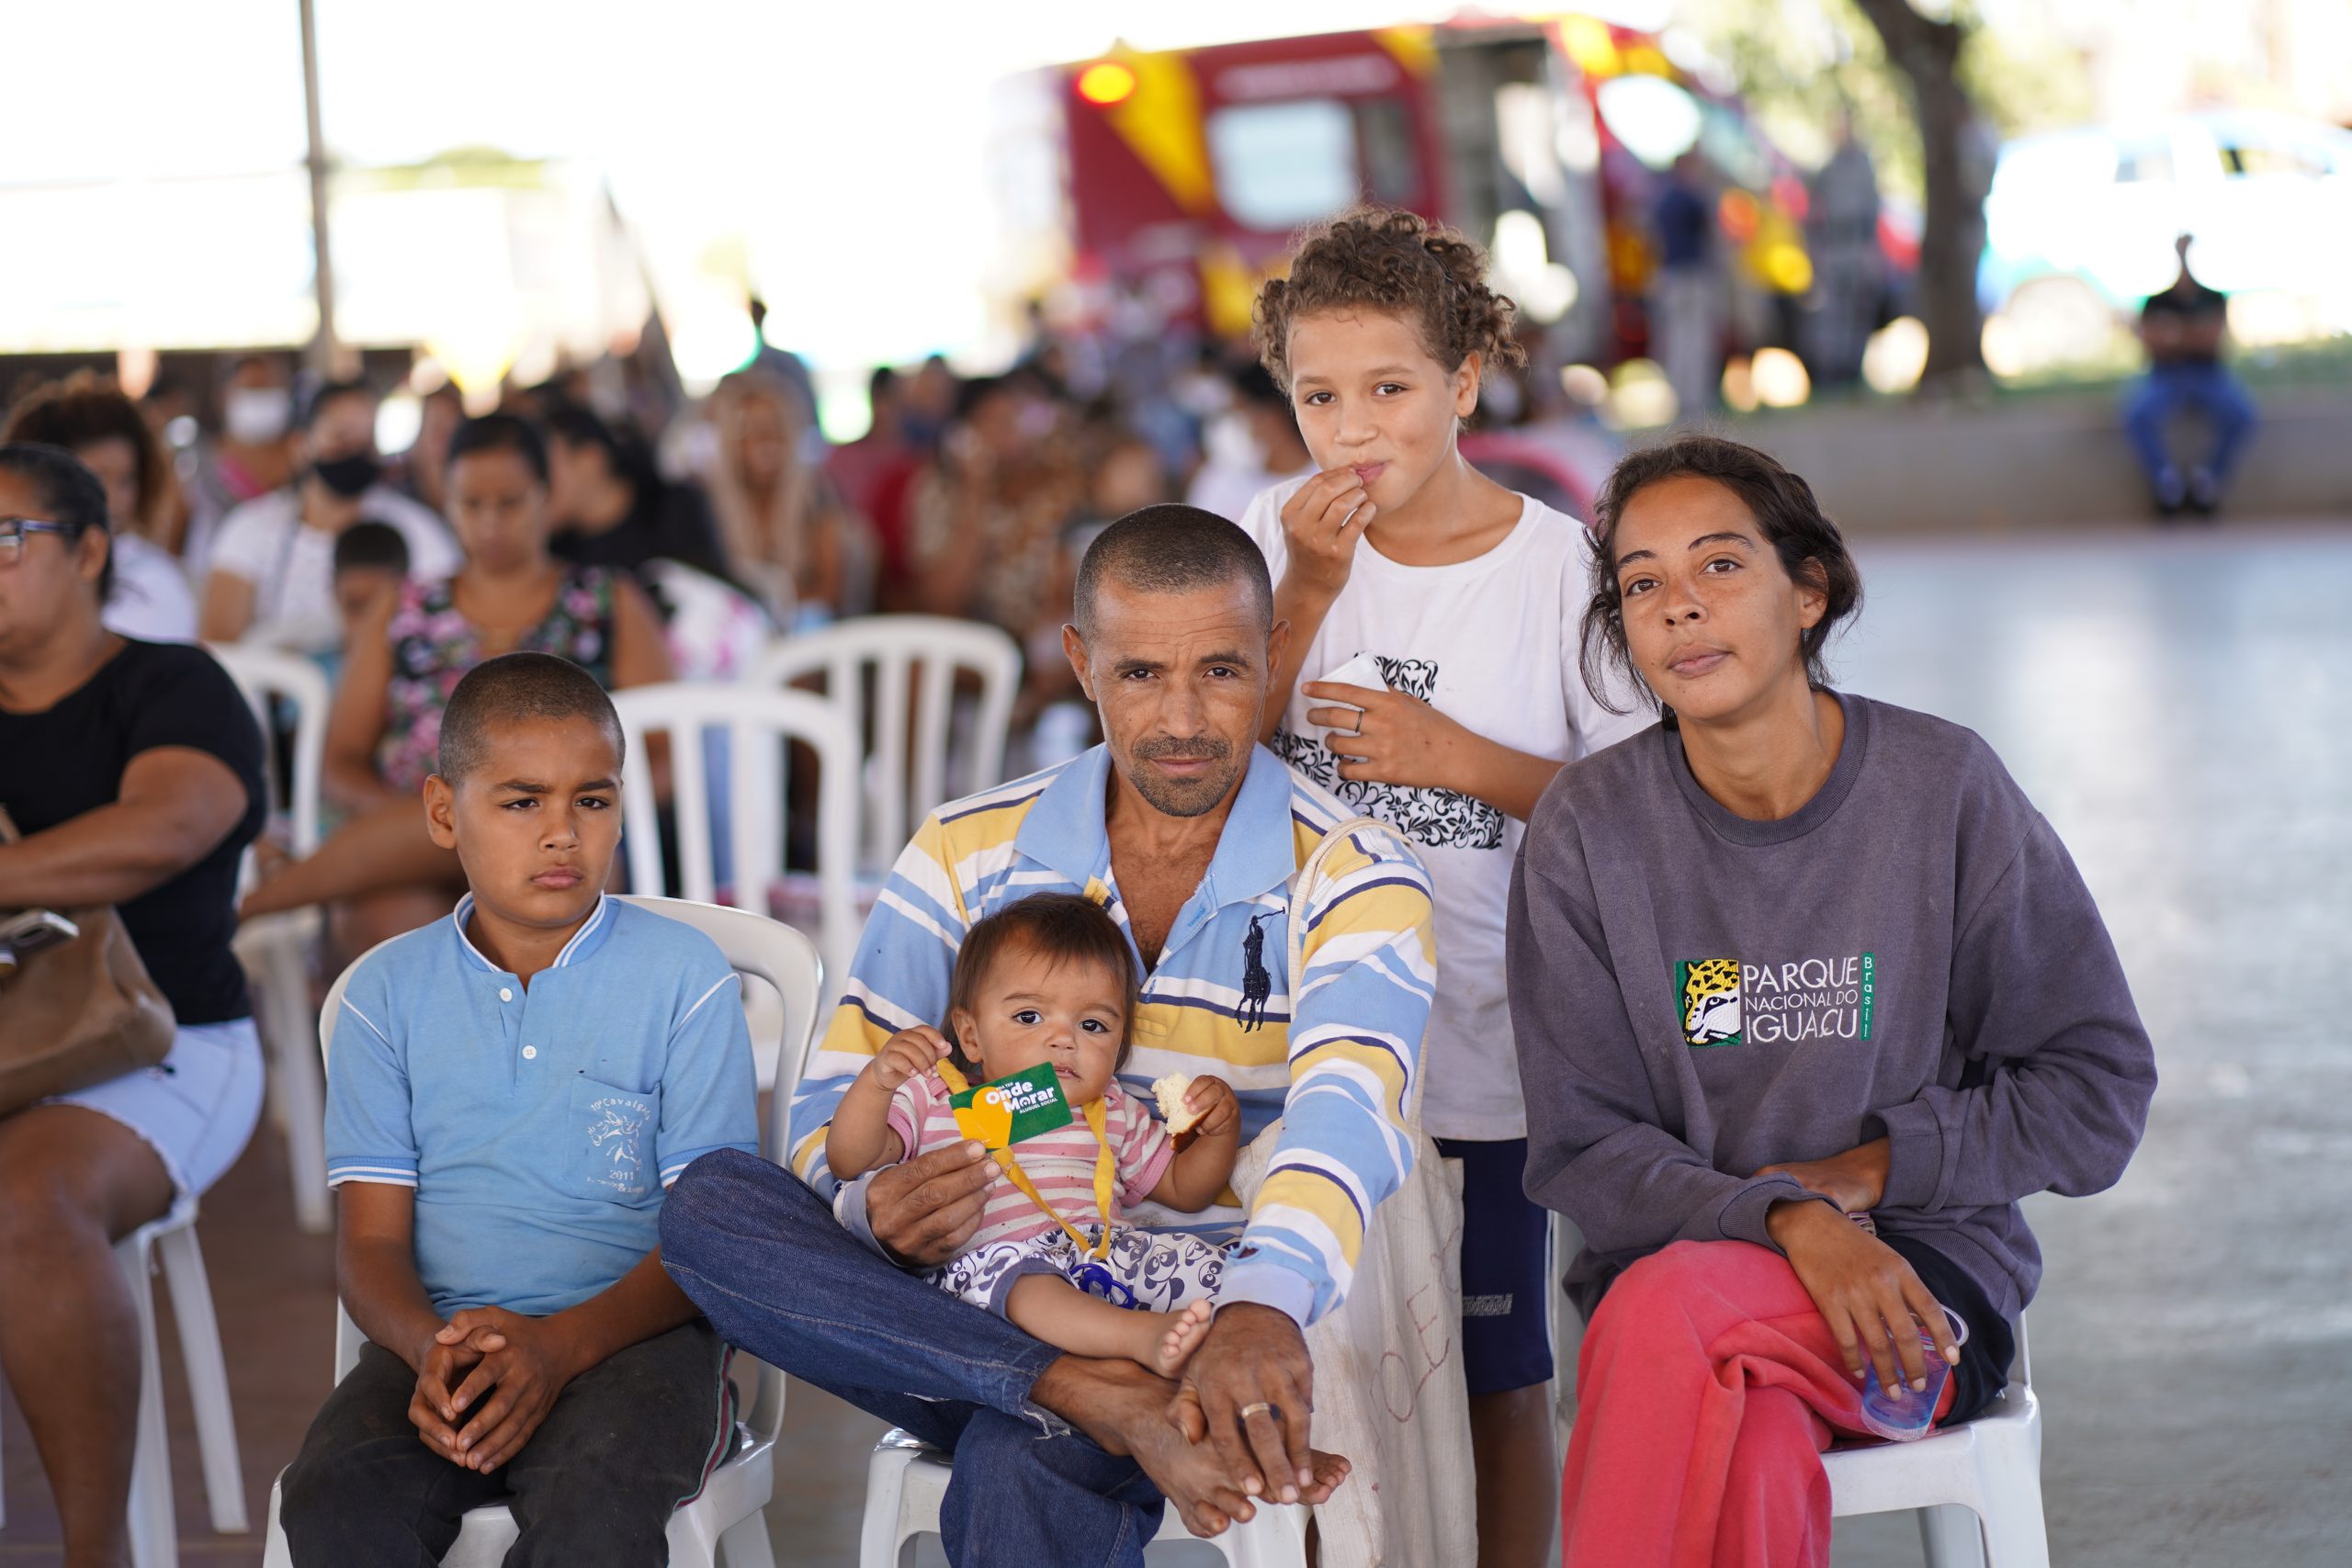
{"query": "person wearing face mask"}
[(1253, 447), (252, 453), (272, 565)]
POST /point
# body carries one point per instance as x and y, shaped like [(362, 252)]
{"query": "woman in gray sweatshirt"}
[(1790, 959)]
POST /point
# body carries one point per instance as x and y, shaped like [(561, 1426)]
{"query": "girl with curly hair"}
[(1445, 605)]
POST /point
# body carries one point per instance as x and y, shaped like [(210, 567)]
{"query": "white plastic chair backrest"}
[(757, 721), (754, 945), (914, 661), (267, 675)]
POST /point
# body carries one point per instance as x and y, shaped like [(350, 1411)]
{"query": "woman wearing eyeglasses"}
[(135, 772)]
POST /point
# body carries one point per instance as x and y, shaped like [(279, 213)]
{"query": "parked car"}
[(2080, 224)]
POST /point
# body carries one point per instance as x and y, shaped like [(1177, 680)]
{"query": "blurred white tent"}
[(485, 262)]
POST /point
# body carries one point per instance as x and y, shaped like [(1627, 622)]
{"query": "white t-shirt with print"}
[(292, 567), (1491, 643)]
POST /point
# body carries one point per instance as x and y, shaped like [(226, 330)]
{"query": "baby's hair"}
[(1065, 928), (1377, 258), (516, 688)]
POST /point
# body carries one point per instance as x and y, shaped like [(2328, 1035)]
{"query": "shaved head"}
[(1171, 549), (517, 688)]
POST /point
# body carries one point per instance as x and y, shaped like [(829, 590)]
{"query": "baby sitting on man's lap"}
[(1050, 980)]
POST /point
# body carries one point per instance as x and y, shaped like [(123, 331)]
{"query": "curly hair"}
[(1399, 263), (1808, 544), (84, 408)]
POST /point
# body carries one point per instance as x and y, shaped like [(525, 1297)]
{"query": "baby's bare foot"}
[(1185, 1330), (1329, 1471)]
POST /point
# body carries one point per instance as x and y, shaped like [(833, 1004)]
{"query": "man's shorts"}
[(1506, 1269), (1152, 1273)]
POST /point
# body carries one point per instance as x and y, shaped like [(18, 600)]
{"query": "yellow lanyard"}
[(1104, 1173)]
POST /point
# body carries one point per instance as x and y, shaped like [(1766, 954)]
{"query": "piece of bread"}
[(1170, 1092)]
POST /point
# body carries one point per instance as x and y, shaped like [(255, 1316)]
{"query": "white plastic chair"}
[(154, 1531), (1974, 1486), (757, 723), (906, 1478), (727, 1523), (913, 661), (1977, 1486), (276, 948)]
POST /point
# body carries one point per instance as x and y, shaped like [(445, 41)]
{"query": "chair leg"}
[(208, 1378), (2015, 1535), (880, 1535), (1951, 1536), (273, 1550), (746, 1544), (154, 1539), (298, 1079), (1275, 1538)]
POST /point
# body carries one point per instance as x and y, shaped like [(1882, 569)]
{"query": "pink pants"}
[(1707, 1387)]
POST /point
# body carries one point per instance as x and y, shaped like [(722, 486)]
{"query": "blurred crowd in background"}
[(263, 503), (1670, 262)]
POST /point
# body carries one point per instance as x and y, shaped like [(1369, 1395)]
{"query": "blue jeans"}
[(2168, 391), (763, 1258)]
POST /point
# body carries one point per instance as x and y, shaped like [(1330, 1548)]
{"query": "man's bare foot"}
[(1182, 1335), (1124, 1408), (1325, 1472)]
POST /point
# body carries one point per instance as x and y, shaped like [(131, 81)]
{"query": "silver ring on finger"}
[(1261, 1408)]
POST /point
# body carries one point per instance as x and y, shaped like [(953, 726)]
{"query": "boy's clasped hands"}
[(502, 1368)]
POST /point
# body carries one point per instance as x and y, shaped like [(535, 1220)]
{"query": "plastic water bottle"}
[(1905, 1413)]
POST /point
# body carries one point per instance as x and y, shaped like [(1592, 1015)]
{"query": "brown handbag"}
[(78, 1013)]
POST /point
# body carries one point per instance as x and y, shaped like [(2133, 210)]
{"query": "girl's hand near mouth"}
[(1323, 521)]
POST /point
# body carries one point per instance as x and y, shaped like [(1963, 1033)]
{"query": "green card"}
[(1013, 1109)]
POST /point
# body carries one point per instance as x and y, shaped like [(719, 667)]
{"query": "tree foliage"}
[(1928, 90)]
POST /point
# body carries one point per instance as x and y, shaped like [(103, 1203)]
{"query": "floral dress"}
[(433, 646)]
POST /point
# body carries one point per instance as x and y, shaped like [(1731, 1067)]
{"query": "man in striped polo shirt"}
[(1191, 835)]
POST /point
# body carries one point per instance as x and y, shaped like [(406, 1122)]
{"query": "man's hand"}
[(1854, 1181), (924, 1209), (1254, 1359), (1322, 523), (1397, 740), (524, 1364), (1865, 1291), (909, 1053)]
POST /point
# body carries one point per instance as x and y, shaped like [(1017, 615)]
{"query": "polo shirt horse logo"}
[(1255, 983)]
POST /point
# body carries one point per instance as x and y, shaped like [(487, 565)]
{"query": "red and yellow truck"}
[(1182, 174)]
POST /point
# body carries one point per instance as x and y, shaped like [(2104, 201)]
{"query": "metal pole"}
[(324, 349)]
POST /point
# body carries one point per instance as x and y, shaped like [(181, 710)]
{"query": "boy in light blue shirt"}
[(509, 1093)]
